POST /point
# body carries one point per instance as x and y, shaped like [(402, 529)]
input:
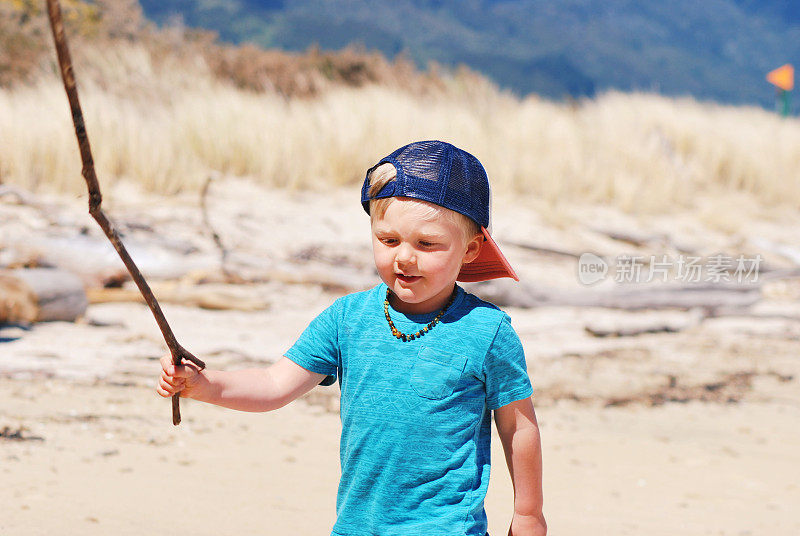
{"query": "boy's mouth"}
[(407, 278)]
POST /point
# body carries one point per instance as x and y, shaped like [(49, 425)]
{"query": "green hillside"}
[(714, 49)]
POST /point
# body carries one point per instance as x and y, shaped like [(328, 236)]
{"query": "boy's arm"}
[(519, 434), (244, 390)]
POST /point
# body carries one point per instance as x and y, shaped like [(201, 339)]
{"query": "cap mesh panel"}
[(423, 160), (443, 174)]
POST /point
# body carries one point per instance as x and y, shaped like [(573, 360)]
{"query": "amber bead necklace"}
[(404, 337)]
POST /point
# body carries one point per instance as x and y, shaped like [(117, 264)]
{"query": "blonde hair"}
[(386, 173)]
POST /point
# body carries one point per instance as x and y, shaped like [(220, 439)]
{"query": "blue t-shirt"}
[(416, 415)]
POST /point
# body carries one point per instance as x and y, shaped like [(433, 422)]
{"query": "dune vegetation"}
[(166, 107)]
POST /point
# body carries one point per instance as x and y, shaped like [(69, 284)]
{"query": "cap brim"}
[(489, 264)]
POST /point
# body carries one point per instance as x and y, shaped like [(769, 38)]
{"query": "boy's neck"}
[(433, 305)]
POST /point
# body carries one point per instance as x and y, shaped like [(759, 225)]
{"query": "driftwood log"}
[(634, 298), (639, 324), (638, 239), (41, 295), (543, 249), (22, 197), (204, 296), (18, 302), (790, 253)]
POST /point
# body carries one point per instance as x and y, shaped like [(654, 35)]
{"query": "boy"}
[(421, 364)]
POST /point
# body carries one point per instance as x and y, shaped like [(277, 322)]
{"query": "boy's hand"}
[(183, 379), (527, 525)]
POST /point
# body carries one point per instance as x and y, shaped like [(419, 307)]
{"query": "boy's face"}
[(419, 257)]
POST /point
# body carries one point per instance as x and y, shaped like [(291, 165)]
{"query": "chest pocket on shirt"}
[(436, 373)]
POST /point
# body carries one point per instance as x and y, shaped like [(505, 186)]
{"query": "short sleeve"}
[(317, 349), (504, 368)]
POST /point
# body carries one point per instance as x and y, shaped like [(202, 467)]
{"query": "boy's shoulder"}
[(475, 301), (480, 306), (358, 303), (477, 316), (361, 297)]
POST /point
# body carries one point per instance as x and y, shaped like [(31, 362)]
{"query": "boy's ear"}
[(473, 248)]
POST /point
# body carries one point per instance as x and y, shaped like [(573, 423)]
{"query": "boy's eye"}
[(426, 244), (389, 241)]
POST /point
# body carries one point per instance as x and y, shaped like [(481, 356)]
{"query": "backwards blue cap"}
[(437, 172)]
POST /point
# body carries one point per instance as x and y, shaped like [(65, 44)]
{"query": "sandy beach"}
[(109, 461), (686, 431)]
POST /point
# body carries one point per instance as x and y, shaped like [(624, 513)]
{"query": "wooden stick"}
[(95, 199)]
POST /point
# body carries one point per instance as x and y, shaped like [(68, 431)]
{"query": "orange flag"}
[(783, 77)]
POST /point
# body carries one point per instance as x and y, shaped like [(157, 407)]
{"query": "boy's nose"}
[(405, 255)]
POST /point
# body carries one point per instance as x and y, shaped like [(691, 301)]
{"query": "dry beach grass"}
[(167, 124)]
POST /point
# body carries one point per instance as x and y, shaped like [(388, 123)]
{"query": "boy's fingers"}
[(183, 371), (167, 388), (168, 394), (164, 390), (170, 380), (177, 371)]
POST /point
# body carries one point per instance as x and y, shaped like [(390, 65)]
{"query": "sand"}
[(109, 461)]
